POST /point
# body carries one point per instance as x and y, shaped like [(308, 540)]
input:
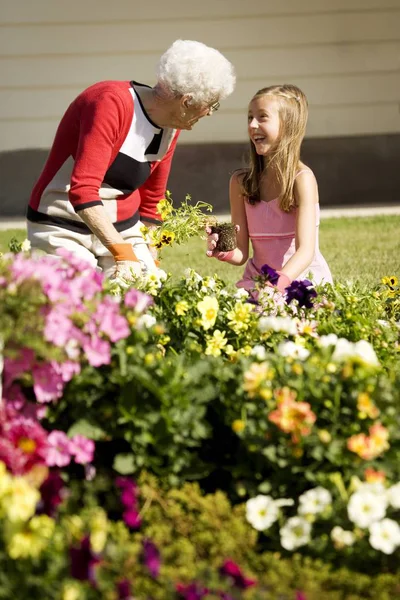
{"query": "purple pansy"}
[(302, 291), (270, 274)]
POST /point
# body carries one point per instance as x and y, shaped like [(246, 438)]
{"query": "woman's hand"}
[(212, 240)]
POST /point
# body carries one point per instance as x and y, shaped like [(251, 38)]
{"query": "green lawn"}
[(361, 249)]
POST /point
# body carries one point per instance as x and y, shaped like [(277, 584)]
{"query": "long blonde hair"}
[(285, 157)]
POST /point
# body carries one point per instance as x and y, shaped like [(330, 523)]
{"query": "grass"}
[(361, 249)]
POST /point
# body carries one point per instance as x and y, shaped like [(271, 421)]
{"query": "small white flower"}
[(366, 507), (224, 293), (284, 324), (261, 512), (293, 350), (295, 533), (259, 352), (161, 274), (385, 536), (282, 502), (361, 350), (383, 322), (366, 353), (145, 322), (25, 246), (341, 537), (314, 501), (393, 495), (241, 293), (328, 340)]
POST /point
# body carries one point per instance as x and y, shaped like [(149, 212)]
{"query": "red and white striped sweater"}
[(106, 151)]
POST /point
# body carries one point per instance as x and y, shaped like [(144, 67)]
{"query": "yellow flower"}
[(71, 591), (98, 524), (167, 237), (239, 316), (181, 307), (324, 436), (19, 503), (255, 377), (5, 480), (32, 539), (216, 343), (164, 208), (391, 281), (366, 406), (208, 308), (238, 425)]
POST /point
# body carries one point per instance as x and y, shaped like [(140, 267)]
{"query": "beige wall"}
[(345, 55)]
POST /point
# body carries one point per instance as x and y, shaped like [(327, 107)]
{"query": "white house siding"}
[(344, 54)]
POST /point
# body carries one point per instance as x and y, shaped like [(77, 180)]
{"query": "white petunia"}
[(284, 324), (361, 350), (25, 246), (292, 350), (393, 495), (241, 294), (385, 536), (328, 340), (314, 501), (261, 512), (259, 352), (366, 507), (341, 537), (295, 533), (145, 322)]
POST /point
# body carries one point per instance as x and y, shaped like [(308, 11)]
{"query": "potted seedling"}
[(226, 236)]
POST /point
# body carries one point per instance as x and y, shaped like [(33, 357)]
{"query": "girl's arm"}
[(306, 195), (240, 254)]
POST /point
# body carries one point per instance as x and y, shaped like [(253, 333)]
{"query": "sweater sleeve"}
[(153, 190), (100, 123)]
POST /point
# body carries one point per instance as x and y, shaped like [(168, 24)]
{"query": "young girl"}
[(274, 202)]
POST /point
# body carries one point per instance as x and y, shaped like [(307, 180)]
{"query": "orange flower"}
[(293, 417), (372, 476), (366, 406), (369, 447)]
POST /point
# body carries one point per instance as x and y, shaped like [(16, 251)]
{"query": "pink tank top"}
[(272, 234)]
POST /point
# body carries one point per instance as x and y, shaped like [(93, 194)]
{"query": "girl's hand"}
[(212, 240)]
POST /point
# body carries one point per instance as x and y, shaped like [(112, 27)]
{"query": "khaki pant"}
[(49, 238)]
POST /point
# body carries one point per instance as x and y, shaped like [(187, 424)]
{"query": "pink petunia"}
[(48, 385), (98, 351), (58, 326), (58, 454), (137, 300), (14, 367), (82, 448)]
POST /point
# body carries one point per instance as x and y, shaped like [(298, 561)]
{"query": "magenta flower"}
[(30, 438), (12, 457), (151, 558), (68, 369), (300, 595), (132, 518), (82, 448), (48, 384), (192, 591), (51, 492), (110, 321), (58, 326), (137, 300), (58, 454), (124, 589), (84, 561), (232, 570)]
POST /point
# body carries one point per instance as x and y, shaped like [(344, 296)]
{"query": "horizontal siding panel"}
[(49, 11), (229, 127), (81, 71), (226, 33), (321, 91)]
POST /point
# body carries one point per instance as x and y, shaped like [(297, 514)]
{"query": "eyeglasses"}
[(214, 107)]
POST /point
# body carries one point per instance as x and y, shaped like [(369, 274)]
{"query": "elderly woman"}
[(111, 156)]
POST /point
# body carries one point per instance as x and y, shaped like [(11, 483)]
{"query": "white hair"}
[(189, 67)]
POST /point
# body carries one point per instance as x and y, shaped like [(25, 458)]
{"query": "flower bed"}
[(286, 414)]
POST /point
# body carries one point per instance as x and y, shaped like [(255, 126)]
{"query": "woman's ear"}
[(186, 100)]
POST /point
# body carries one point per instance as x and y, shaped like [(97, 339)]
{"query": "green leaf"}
[(124, 464), (83, 427)]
